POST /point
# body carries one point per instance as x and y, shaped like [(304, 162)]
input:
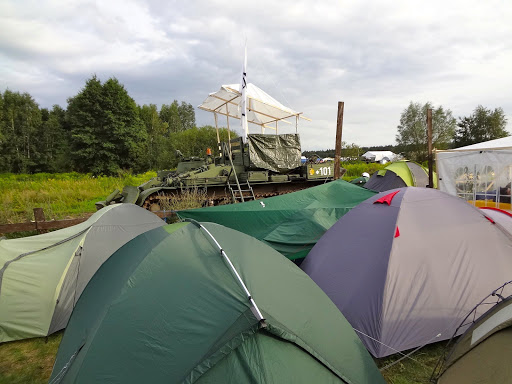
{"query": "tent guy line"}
[(384, 344), (409, 354)]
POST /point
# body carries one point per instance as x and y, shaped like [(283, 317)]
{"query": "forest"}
[(102, 131)]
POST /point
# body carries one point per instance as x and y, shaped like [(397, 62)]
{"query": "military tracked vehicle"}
[(246, 168), (264, 166)]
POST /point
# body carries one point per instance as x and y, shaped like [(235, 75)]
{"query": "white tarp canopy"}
[(504, 142), (262, 109), (478, 172)]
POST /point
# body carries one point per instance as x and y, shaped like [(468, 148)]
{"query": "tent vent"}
[(386, 199)]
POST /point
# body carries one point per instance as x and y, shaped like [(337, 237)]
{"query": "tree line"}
[(447, 132), (102, 131)]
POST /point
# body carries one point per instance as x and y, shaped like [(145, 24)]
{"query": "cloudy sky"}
[(376, 56)]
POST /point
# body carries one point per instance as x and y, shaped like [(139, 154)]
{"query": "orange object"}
[(208, 151)]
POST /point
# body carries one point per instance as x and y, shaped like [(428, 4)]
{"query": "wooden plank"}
[(59, 224), (274, 118), (42, 225), (18, 227), (164, 214)]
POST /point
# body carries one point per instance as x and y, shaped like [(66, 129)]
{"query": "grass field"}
[(71, 195), (65, 195), (28, 361), (61, 195)]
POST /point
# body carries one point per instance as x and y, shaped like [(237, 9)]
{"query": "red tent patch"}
[(397, 232), (491, 220), (386, 199)]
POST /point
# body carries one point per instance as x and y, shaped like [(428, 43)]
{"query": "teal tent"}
[(203, 303), (291, 223)]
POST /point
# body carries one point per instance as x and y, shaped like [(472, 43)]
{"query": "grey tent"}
[(42, 277), (482, 355), (407, 265)]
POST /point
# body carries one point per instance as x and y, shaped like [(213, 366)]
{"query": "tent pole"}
[(233, 269), (229, 134), (217, 130)]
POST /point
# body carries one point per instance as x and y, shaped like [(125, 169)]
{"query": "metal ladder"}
[(237, 194)]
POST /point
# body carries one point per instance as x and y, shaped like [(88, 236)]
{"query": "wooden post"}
[(39, 217), (339, 128), (429, 141), (227, 121), (217, 129)]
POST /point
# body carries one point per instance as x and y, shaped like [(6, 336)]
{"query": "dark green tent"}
[(203, 303), (291, 223)]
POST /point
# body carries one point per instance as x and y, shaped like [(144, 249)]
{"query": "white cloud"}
[(374, 56)]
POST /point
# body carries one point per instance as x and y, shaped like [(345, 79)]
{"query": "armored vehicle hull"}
[(264, 166)]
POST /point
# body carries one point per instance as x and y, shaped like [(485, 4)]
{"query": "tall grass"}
[(60, 195), (355, 170), (64, 195), (187, 199)]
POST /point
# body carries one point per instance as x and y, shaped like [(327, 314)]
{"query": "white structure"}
[(478, 173), (381, 157), (262, 109)]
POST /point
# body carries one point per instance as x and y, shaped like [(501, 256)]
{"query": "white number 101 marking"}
[(325, 171)]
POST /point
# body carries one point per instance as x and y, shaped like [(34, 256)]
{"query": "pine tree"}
[(107, 133)]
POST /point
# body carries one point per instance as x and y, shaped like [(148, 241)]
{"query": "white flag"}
[(243, 101)]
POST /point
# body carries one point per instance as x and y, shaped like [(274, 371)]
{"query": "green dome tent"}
[(291, 223), (203, 303), (42, 277)]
